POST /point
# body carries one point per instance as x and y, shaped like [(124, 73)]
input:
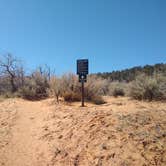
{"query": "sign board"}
[(82, 66), (82, 78), (82, 71)]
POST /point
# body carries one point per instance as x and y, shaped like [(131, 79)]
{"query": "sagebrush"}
[(149, 88)]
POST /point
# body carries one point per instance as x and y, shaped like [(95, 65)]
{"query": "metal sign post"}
[(82, 89), (82, 71)]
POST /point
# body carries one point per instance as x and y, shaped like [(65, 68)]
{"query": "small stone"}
[(103, 146), (61, 136)]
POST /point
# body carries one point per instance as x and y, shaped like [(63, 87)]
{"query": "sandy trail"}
[(24, 148), (122, 132)]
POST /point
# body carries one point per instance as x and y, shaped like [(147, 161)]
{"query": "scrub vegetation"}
[(141, 83)]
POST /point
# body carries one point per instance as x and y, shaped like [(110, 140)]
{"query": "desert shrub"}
[(71, 96), (151, 89), (98, 100), (8, 94), (41, 84), (29, 90), (35, 87), (55, 87), (161, 81), (71, 88), (95, 86), (118, 92), (5, 86), (28, 93), (118, 89), (69, 83), (148, 88)]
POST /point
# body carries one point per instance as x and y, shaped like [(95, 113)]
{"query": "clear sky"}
[(112, 34)]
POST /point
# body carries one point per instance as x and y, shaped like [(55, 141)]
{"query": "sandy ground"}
[(122, 132)]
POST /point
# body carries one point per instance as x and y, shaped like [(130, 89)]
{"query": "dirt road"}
[(120, 132)]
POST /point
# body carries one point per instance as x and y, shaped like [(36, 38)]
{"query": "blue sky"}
[(112, 34)]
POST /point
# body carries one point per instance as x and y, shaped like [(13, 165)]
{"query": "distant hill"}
[(130, 74)]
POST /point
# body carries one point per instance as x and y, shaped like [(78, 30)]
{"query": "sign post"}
[(82, 71), (82, 89)]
